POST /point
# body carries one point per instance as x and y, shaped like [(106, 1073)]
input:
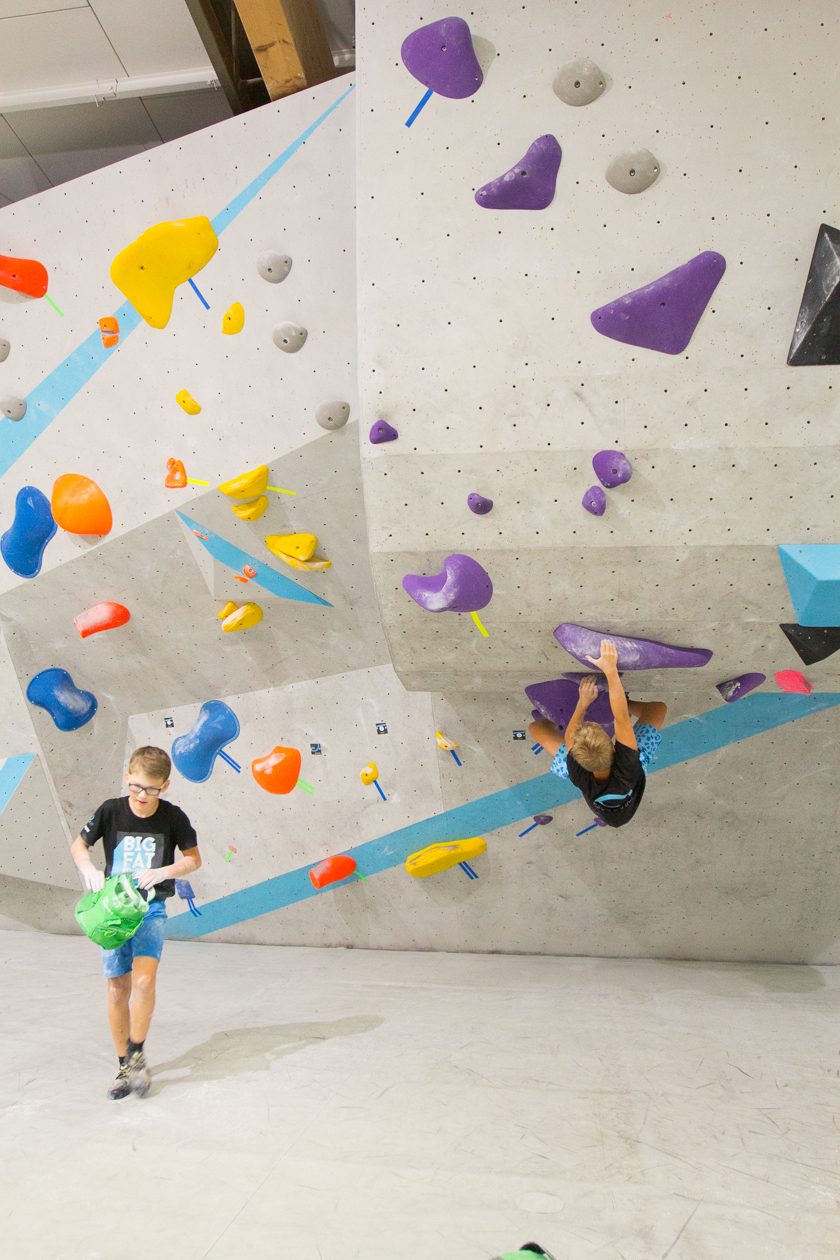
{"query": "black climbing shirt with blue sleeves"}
[(617, 798)]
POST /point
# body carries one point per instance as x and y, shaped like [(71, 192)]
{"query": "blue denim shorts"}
[(147, 942), (647, 737)]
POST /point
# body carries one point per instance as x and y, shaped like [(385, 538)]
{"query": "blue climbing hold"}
[(68, 706), (22, 546), (812, 573), (194, 753)]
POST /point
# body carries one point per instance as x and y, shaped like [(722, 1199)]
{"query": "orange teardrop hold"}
[(80, 507), (176, 475), (278, 772), (331, 870)]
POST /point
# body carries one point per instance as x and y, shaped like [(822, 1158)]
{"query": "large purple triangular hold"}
[(816, 337), (442, 57), (664, 314), (530, 184)]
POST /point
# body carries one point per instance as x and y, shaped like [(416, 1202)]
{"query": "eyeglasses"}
[(136, 788)]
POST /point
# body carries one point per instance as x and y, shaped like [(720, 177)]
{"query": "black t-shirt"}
[(135, 844), (617, 799)]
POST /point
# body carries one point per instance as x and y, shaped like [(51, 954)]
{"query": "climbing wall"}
[(479, 360)]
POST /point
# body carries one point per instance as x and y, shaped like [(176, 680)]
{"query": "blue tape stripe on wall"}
[(55, 391), (269, 579), (682, 742), (10, 776)]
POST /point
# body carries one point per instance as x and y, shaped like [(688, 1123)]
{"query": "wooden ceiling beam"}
[(289, 43)]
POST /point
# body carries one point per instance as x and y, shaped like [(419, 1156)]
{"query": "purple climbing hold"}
[(478, 504), (595, 501), (557, 700), (581, 643), (464, 586), (735, 688), (442, 57), (530, 184), (542, 820), (612, 468), (664, 314), (382, 431)]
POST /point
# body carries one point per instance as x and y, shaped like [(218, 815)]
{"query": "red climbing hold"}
[(24, 275), (331, 870), (792, 680), (104, 616), (277, 772)]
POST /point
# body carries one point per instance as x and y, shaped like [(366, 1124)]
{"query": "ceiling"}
[(84, 83)]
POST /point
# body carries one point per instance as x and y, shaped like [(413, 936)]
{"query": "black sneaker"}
[(121, 1087), (139, 1076), (537, 1250)]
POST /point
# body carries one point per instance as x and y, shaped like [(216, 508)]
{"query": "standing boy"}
[(610, 775), (140, 833)]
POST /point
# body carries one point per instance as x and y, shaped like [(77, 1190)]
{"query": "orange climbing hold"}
[(104, 616), (24, 275), (80, 507), (109, 327), (279, 771), (331, 870), (176, 474)]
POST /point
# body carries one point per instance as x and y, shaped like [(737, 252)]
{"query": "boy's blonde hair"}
[(155, 761), (592, 748)]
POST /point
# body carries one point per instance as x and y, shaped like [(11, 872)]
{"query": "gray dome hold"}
[(13, 408), (580, 82), (633, 172), (5, 347), (274, 267), (289, 337), (333, 415)]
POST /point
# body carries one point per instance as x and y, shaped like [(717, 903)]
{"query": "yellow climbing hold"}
[(149, 270), (316, 563), (369, 773), (185, 399), (233, 320), (241, 617), (252, 510), (247, 484), (440, 857), (292, 546), (448, 745)]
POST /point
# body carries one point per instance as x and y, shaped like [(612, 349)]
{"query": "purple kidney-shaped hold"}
[(595, 501), (463, 586), (442, 57), (382, 431), (478, 504), (612, 468), (735, 688), (530, 184), (556, 701), (581, 643), (542, 820)]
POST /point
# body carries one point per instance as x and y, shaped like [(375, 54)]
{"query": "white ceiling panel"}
[(22, 8), (77, 139), (20, 175), (51, 49), (180, 114), (151, 36)]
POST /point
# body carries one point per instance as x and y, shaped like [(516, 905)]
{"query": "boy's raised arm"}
[(608, 663)]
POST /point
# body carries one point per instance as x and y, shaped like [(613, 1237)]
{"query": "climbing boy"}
[(610, 775), (140, 833)]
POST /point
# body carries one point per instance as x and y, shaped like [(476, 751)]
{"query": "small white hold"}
[(13, 408), (289, 337), (633, 172), (333, 415), (274, 267), (5, 347), (580, 82)]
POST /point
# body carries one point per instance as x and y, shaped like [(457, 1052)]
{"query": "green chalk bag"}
[(111, 916)]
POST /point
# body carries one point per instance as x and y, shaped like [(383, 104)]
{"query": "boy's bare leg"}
[(143, 975), (119, 991), (546, 733), (653, 711)]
